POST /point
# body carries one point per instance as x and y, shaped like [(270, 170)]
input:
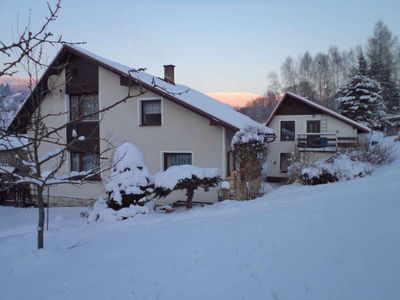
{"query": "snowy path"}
[(336, 241)]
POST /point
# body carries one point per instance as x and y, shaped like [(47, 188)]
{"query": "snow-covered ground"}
[(334, 241)]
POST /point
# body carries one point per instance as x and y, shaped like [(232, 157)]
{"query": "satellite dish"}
[(52, 83)]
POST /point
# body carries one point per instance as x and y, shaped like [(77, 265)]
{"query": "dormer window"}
[(151, 112)]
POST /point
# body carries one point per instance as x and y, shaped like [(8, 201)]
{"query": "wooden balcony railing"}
[(324, 142)]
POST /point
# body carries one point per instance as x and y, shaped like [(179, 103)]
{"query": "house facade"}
[(170, 123), (305, 132)]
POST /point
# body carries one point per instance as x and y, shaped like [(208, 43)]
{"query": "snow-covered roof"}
[(321, 108), (184, 95), (6, 169), (11, 142)]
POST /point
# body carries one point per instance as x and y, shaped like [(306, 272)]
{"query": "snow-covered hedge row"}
[(336, 168), (175, 174), (185, 177)]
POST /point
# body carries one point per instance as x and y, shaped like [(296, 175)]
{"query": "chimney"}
[(169, 74)]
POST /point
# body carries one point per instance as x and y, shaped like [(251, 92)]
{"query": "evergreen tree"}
[(362, 64), (129, 183), (382, 48), (360, 98)]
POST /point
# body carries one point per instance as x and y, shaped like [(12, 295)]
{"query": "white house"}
[(307, 131), (170, 123)]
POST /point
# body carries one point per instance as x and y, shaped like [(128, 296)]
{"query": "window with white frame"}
[(176, 159), (150, 112)]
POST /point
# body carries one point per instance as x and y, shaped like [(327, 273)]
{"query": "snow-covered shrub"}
[(130, 182), (377, 151), (102, 212), (250, 142), (185, 177), (336, 168)]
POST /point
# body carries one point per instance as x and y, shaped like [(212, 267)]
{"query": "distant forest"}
[(319, 76)]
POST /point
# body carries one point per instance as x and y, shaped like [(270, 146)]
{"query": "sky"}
[(217, 46)]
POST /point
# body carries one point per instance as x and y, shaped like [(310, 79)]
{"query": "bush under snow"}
[(251, 133), (101, 212), (130, 180), (335, 168), (185, 177), (358, 162), (130, 183)]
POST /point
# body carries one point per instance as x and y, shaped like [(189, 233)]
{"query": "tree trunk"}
[(40, 236), (189, 194)]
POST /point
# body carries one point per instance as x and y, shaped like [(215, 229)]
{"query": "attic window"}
[(151, 112)]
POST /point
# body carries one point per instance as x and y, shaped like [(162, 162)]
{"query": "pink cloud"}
[(234, 98)]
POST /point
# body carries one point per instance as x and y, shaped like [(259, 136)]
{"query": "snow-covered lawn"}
[(334, 241)]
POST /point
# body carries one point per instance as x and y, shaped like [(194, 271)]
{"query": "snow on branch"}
[(185, 177), (170, 178)]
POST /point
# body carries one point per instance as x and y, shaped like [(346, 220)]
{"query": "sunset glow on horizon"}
[(237, 99)]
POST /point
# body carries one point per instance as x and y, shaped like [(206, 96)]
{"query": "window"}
[(151, 112), (286, 161), (82, 105), (84, 161), (3, 160), (287, 130), (176, 159), (313, 126)]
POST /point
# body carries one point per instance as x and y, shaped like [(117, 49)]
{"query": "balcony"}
[(324, 142)]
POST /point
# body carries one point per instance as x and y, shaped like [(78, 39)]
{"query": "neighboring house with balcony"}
[(307, 131), (170, 123)]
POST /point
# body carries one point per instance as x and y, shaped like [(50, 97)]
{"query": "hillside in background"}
[(13, 92), (260, 108)]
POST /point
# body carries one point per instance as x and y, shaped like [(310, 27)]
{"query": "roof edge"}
[(319, 107)]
